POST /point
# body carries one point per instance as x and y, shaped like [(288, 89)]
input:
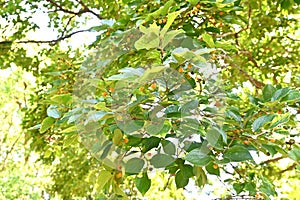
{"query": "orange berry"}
[(111, 89), (107, 33), (104, 94), (164, 20), (215, 166), (153, 85), (221, 13), (246, 142), (180, 70), (126, 140), (141, 89), (198, 6), (160, 21), (119, 175), (272, 140), (190, 66), (279, 112)]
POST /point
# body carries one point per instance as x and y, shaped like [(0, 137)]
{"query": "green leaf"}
[(280, 94), (259, 122), (267, 187), (268, 91), (208, 39), (169, 36), (143, 184), (148, 41), (170, 19), (198, 157), (238, 187), (62, 99), (211, 169), (69, 130), (181, 180), (161, 160), (103, 178), (187, 170), (295, 154), (102, 106), (280, 119), (96, 116), (294, 95), (52, 111), (193, 2), (214, 133), (150, 143), (46, 124), (169, 147), (237, 154), (201, 178), (117, 137), (134, 165), (150, 73)]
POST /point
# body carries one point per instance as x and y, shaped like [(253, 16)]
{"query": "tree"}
[(143, 98)]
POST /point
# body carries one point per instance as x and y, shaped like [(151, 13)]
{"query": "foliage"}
[(85, 113)]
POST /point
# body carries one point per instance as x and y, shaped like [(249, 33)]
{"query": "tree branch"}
[(9, 151), (256, 83), (272, 160), (47, 41), (84, 10), (289, 168)]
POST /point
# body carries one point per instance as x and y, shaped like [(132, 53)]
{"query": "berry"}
[(153, 85), (104, 94), (246, 142), (180, 70)]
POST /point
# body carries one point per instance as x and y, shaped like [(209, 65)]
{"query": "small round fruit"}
[(215, 166), (272, 140), (111, 89), (180, 70), (119, 175), (104, 94), (246, 142), (126, 140), (153, 86)]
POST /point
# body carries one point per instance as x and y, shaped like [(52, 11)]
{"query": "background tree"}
[(254, 44)]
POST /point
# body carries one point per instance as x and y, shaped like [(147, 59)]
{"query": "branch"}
[(9, 151), (250, 57), (272, 160), (243, 29), (89, 10), (47, 41), (256, 83), (84, 10), (289, 168)]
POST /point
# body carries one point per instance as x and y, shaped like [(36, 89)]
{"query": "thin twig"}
[(46, 41)]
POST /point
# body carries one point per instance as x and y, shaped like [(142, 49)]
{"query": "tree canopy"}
[(185, 90)]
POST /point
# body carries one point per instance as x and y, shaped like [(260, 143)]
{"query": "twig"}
[(289, 168), (272, 160), (9, 151), (46, 41)]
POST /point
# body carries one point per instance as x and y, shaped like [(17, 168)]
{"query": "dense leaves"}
[(194, 88)]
